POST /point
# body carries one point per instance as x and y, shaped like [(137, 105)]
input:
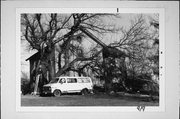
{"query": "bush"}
[(117, 87), (98, 89), (24, 84)]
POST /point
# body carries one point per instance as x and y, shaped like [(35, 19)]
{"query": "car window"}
[(80, 80), (86, 80), (71, 80), (62, 80)]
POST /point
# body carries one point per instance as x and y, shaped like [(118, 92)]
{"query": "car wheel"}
[(57, 93), (84, 92)]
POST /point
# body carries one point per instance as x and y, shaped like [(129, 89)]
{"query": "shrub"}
[(24, 84)]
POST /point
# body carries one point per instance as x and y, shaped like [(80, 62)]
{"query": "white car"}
[(62, 85)]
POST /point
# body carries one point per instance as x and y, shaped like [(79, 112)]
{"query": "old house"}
[(34, 62)]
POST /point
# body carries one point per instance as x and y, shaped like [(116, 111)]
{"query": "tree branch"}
[(65, 67)]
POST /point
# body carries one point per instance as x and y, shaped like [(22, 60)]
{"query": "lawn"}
[(88, 100)]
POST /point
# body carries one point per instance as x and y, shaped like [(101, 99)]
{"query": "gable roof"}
[(35, 56)]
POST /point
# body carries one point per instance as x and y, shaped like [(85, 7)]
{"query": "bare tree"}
[(136, 42), (46, 31)]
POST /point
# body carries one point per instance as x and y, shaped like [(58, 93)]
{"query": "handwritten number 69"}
[(141, 108)]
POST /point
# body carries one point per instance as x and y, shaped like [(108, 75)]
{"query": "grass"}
[(88, 100)]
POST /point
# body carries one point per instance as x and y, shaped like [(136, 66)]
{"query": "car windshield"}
[(54, 81)]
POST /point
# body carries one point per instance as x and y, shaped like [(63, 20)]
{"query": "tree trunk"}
[(66, 57), (106, 73), (59, 61), (52, 65), (124, 74)]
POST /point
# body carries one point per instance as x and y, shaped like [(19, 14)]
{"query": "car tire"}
[(57, 93), (84, 92)]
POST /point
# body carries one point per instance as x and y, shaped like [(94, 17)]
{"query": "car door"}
[(72, 85), (63, 84)]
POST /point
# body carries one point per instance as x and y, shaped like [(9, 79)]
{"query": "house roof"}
[(35, 56)]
